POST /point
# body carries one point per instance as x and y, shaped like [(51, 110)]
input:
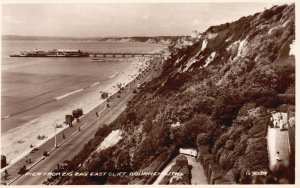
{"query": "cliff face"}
[(235, 74), (220, 90), (165, 40)]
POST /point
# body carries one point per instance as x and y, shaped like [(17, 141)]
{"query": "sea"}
[(29, 84)]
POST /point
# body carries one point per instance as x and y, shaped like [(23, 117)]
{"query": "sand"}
[(15, 143)]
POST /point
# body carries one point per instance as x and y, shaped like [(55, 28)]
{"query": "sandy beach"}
[(16, 142)]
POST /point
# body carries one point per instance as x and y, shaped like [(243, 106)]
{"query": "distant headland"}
[(148, 39)]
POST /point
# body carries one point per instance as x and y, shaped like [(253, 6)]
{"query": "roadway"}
[(76, 143)]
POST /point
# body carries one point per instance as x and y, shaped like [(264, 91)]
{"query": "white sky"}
[(117, 19)]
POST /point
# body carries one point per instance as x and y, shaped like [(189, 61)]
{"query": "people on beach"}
[(27, 160), (5, 174), (97, 115), (41, 137), (64, 137), (277, 157)]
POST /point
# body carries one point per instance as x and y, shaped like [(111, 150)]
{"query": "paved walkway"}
[(277, 141), (165, 171), (198, 176)]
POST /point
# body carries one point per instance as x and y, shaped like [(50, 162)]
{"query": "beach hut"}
[(69, 119), (80, 112), (3, 161), (75, 114)]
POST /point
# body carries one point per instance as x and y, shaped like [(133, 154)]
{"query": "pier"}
[(122, 54)]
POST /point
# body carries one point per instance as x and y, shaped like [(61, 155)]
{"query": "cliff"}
[(221, 90), (166, 40)]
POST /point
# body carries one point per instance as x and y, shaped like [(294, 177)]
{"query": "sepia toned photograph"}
[(148, 93)]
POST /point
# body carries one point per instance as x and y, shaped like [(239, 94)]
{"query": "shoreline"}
[(12, 137)]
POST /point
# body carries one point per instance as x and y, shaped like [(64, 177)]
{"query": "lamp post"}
[(55, 125), (110, 115), (98, 121)]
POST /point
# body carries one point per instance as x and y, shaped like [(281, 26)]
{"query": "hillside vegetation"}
[(220, 89)]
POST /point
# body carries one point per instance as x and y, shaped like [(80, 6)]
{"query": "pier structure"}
[(122, 54)]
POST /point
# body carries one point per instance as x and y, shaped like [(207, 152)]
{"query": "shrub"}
[(204, 139), (181, 160), (286, 74), (174, 83), (263, 96), (226, 109), (227, 159), (190, 130), (259, 126), (229, 145), (219, 143)]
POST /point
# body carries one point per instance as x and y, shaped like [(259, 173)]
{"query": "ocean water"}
[(28, 85)]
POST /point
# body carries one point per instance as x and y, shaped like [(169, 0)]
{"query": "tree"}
[(187, 135), (226, 109)]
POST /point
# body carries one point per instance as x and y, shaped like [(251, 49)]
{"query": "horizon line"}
[(92, 36)]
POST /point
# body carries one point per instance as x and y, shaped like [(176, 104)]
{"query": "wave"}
[(114, 75), (68, 94), (96, 83)]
